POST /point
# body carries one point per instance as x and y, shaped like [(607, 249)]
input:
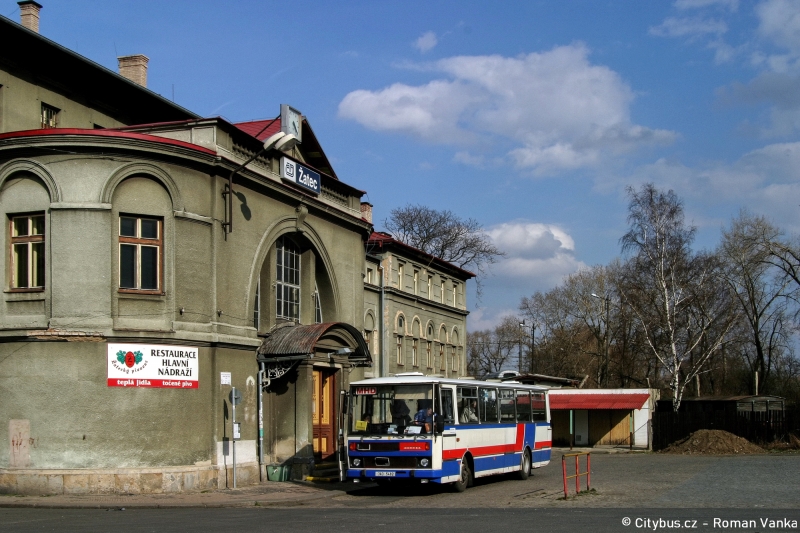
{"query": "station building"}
[(155, 260)]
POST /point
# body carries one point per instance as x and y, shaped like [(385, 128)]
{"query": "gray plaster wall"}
[(21, 104), (77, 421)]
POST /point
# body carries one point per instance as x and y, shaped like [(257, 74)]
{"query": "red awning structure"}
[(627, 401)]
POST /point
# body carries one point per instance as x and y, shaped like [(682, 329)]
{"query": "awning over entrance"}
[(334, 341), (564, 400)]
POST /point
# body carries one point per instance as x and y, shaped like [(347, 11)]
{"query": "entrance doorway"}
[(324, 414)]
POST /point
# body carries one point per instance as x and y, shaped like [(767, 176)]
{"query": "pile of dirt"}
[(712, 442)]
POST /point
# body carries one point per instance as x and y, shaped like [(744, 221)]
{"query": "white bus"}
[(429, 429)]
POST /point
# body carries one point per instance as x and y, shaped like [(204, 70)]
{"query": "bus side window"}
[(523, 406), (507, 411), (538, 405), (487, 404), (447, 406), (468, 405)]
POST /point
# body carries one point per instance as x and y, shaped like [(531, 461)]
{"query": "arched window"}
[(401, 331), (317, 306), (429, 348), (287, 287)]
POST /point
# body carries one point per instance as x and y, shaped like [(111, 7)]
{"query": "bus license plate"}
[(384, 474)]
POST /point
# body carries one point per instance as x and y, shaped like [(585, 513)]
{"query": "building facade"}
[(415, 310), (144, 267)]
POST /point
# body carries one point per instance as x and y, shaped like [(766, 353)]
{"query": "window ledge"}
[(139, 295), (24, 296)]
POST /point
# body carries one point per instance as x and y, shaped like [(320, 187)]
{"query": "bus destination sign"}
[(366, 391)]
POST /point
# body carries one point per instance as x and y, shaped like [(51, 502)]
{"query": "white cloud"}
[(779, 21), (764, 180), (732, 5), (689, 27), (556, 109), (426, 42), (544, 252)]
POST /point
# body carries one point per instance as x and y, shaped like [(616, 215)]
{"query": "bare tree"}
[(684, 312), (490, 351), (761, 289), (445, 235)]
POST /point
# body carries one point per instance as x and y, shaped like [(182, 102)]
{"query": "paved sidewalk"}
[(269, 493)]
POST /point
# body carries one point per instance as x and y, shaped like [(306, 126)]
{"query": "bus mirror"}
[(344, 402), (439, 424)]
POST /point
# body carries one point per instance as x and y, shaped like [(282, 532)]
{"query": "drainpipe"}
[(381, 325), (261, 374)]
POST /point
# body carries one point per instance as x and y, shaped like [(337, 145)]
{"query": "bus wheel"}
[(525, 466), (465, 480)]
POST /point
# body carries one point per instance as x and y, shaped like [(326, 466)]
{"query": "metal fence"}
[(759, 427)]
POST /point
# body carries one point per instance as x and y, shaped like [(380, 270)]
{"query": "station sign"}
[(300, 174), (153, 366)]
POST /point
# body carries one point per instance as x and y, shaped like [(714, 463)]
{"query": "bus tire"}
[(465, 479), (525, 465)]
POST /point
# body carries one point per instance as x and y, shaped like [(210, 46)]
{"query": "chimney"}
[(29, 14), (134, 68), (366, 211)]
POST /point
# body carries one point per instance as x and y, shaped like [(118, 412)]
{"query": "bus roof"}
[(401, 380)]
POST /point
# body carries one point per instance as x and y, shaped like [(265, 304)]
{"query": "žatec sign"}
[(300, 174)]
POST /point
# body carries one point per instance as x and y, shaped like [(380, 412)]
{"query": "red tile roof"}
[(564, 400), (260, 129)]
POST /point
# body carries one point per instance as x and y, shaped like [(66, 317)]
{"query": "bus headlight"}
[(424, 462), (356, 462)]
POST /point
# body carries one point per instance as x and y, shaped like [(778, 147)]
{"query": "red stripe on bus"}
[(481, 451)]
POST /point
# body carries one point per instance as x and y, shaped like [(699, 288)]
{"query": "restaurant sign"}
[(152, 366)]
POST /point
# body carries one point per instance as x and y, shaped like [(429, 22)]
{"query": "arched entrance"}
[(314, 356)]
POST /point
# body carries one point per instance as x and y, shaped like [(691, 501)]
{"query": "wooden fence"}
[(759, 427)]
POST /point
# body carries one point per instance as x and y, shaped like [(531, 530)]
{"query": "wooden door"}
[(324, 415)]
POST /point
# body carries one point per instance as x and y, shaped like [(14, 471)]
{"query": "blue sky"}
[(531, 117)]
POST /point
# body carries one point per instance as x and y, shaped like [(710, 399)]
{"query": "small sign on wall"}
[(153, 366), (224, 378)]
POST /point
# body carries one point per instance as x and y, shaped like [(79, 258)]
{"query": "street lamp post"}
[(607, 302), (522, 326)]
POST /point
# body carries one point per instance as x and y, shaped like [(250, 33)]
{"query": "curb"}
[(180, 503)]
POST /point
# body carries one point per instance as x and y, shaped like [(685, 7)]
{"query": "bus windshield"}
[(392, 410)]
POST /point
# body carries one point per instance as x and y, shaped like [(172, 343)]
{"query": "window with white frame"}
[(369, 276), (429, 290), (455, 294), (454, 359), (442, 362), (415, 352), (441, 290), (287, 286), (140, 253), (317, 306), (400, 275), (27, 252), (416, 282)]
